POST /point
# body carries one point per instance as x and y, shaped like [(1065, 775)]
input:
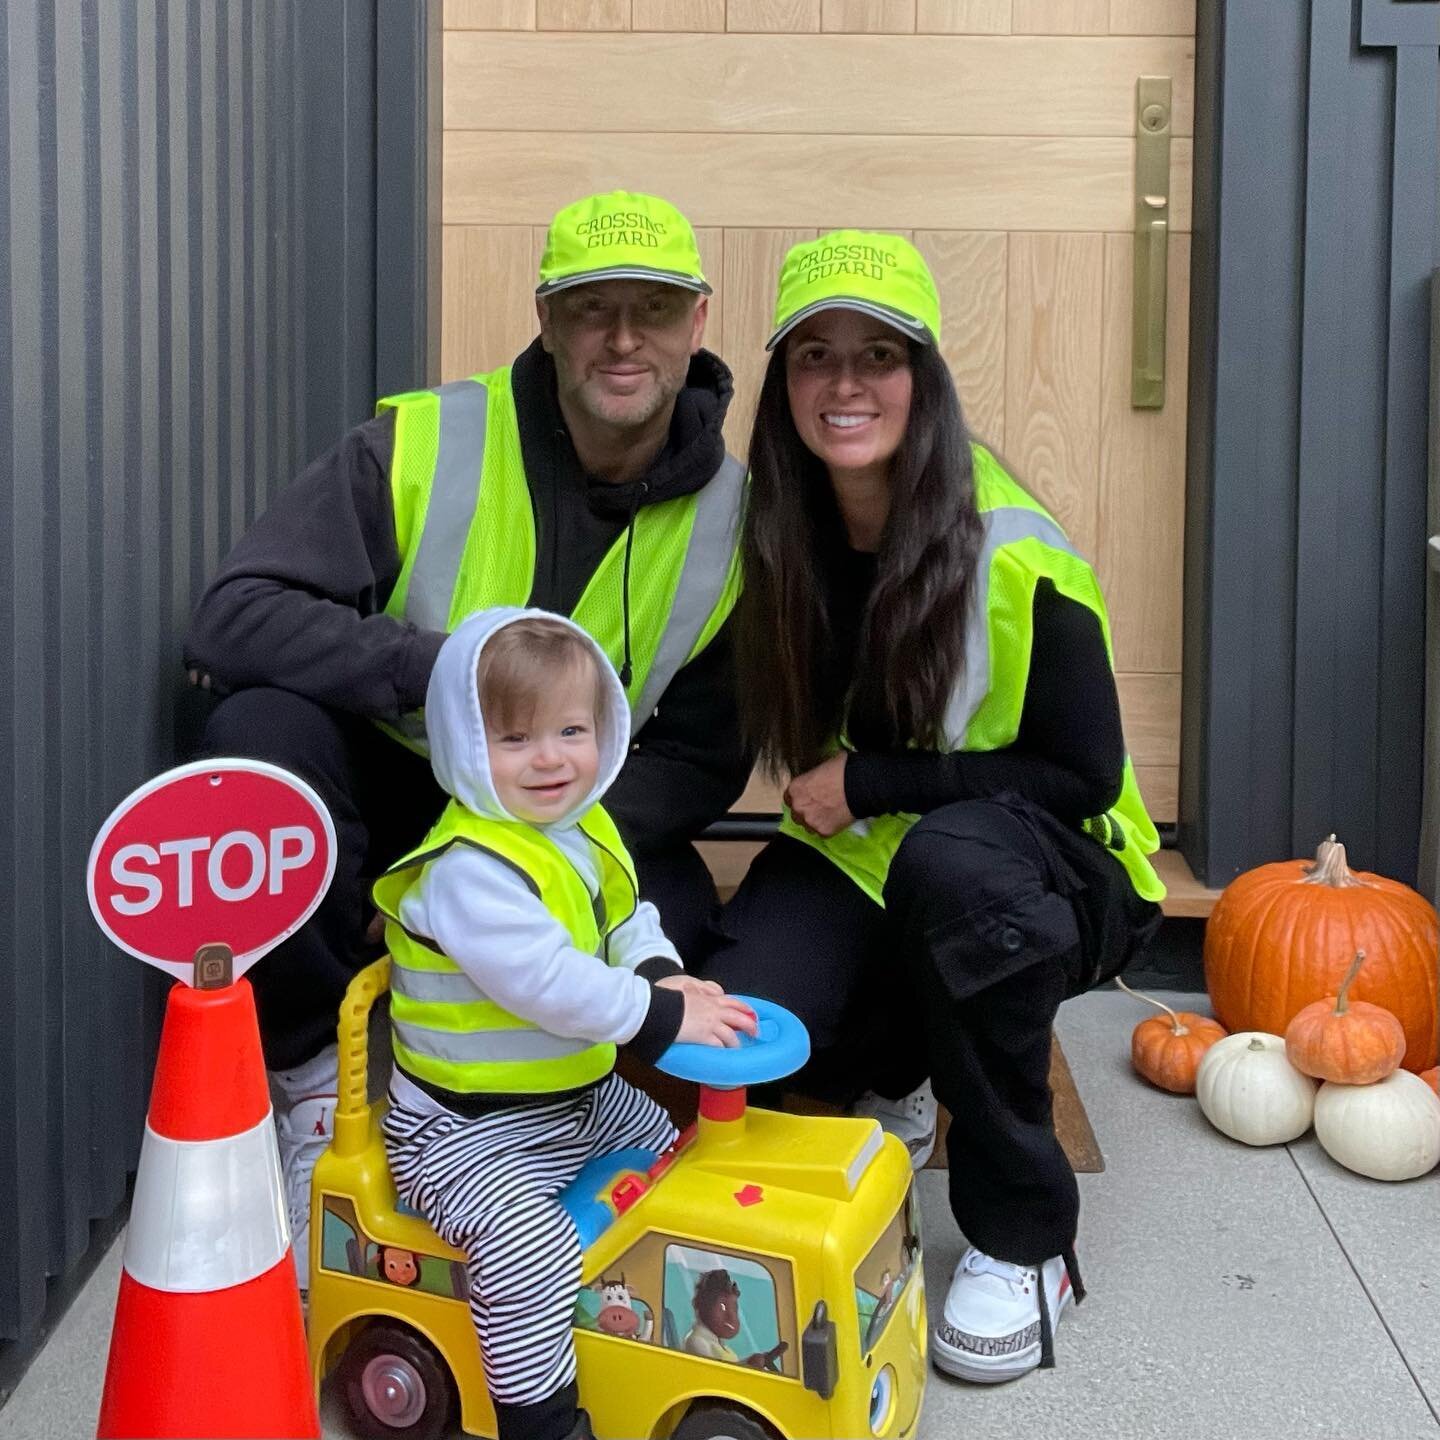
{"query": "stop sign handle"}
[(214, 967)]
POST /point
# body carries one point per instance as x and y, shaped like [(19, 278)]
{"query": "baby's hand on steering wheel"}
[(691, 983), (711, 1016)]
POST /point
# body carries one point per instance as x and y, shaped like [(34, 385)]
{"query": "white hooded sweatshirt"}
[(482, 913)]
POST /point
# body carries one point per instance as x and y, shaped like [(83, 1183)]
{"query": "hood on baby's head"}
[(459, 752)]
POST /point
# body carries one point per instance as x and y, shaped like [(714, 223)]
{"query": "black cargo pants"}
[(991, 919)]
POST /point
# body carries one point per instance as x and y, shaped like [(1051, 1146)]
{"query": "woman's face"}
[(849, 380)]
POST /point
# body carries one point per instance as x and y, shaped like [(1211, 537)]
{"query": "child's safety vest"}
[(445, 1028)]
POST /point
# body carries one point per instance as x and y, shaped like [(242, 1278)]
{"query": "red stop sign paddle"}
[(221, 852)]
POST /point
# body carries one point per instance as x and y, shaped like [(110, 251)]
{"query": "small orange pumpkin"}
[(1347, 1040), (1281, 935), (1432, 1078), (1167, 1052)]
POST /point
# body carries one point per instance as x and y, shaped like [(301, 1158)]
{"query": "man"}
[(588, 478)]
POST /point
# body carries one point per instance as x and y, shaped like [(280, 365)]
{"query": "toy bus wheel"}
[(395, 1386), (720, 1422)]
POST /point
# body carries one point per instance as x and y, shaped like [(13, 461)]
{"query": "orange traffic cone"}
[(208, 1337)]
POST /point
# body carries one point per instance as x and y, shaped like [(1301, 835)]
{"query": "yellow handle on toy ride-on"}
[(352, 1109)]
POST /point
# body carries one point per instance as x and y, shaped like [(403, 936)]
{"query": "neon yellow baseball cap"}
[(881, 275), (620, 236)]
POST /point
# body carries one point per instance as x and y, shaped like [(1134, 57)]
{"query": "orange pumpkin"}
[(1167, 1052), (1351, 1041), (1432, 1078), (1281, 936)]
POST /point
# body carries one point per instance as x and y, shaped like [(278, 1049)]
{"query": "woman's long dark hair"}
[(911, 649)]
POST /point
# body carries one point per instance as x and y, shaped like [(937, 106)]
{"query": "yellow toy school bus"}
[(762, 1278)]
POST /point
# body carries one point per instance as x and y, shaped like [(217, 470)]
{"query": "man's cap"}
[(881, 275), (620, 236)]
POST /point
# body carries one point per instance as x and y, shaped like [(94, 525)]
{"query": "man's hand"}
[(817, 798), (711, 1016)]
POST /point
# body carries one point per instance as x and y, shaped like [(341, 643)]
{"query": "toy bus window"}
[(341, 1248), (723, 1307), (414, 1270), (611, 1307), (885, 1272)]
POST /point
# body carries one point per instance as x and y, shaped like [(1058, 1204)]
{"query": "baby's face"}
[(543, 771)]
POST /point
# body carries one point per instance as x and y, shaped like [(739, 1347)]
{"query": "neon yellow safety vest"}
[(1023, 545), (465, 529), (445, 1029)]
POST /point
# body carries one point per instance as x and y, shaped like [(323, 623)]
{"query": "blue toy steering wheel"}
[(780, 1049)]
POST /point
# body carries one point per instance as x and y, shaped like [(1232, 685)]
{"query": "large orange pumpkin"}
[(1282, 936)]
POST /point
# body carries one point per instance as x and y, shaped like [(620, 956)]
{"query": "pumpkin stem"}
[(1330, 867), (1256, 1044), (1342, 1000), (1175, 1024)]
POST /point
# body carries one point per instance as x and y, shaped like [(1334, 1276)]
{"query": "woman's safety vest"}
[(465, 529), (1023, 545), (445, 1028)]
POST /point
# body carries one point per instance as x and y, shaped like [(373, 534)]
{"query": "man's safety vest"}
[(465, 529), (1023, 545), (445, 1028)]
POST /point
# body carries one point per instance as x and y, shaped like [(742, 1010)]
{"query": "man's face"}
[(622, 348)]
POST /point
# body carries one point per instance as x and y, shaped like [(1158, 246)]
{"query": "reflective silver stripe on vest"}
[(482, 1047), (1003, 526), (435, 987), (702, 578), (454, 494)]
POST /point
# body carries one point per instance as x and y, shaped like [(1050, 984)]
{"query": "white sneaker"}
[(911, 1119), (304, 1100), (993, 1326)]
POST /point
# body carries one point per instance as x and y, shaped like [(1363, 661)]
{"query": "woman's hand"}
[(817, 798)]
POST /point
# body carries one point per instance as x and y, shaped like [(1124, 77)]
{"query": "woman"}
[(964, 845)]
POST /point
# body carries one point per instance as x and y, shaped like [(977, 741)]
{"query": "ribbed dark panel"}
[(1317, 222), (187, 314)]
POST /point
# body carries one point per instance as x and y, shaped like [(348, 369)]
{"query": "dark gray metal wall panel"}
[(187, 257), (1241, 493), (407, 208), (336, 114), (1304, 560), (1341, 472), (1414, 253)]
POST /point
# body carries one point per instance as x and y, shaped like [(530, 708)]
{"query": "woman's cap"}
[(620, 236), (881, 275)]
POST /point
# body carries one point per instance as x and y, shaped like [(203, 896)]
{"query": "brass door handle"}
[(1152, 240)]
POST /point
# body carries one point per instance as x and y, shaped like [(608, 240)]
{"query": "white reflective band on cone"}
[(207, 1214)]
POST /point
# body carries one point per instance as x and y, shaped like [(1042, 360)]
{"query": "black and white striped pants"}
[(488, 1186)]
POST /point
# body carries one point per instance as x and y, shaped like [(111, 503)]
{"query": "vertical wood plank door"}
[(997, 134)]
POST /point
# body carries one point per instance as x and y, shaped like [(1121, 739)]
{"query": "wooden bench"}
[(1186, 899)]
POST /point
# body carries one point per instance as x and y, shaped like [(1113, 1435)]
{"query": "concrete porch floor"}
[(1233, 1292)]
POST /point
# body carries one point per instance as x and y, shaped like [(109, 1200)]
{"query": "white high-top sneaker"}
[(304, 1101), (993, 1327), (911, 1119)]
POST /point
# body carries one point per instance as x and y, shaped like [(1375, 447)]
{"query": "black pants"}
[(994, 914), (382, 798)]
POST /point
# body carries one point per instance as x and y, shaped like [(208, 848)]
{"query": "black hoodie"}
[(299, 601)]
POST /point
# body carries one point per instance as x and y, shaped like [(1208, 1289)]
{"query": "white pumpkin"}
[(1249, 1091), (1389, 1130)]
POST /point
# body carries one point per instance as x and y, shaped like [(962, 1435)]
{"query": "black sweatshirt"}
[(299, 601), (1069, 755)]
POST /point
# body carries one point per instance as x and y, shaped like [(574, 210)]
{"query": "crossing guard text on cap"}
[(620, 236), (881, 275)]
